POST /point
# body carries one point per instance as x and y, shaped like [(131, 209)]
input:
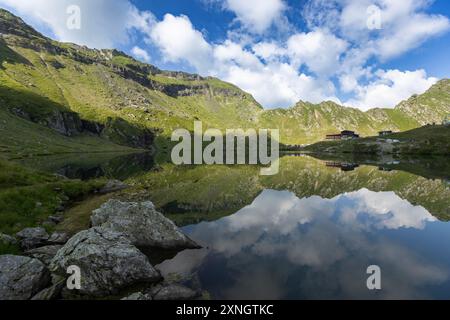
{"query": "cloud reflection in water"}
[(281, 246)]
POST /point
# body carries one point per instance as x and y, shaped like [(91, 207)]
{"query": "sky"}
[(359, 53)]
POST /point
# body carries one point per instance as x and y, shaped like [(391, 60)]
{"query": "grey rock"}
[(21, 277), (174, 292), (44, 254), (58, 238), (51, 293), (142, 224), (7, 240), (31, 238), (112, 186), (107, 260), (138, 296), (56, 218)]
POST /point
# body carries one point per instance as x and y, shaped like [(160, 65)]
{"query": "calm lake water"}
[(309, 232)]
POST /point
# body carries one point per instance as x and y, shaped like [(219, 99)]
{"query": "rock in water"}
[(31, 238), (145, 227), (173, 292), (107, 260), (21, 277), (138, 296)]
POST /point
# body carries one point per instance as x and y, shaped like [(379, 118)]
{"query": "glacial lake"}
[(309, 232)]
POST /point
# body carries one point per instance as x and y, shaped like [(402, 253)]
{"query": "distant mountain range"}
[(101, 98)]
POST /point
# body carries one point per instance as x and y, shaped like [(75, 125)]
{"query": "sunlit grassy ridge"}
[(39, 75), (427, 140)]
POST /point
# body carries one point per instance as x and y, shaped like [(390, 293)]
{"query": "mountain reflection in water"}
[(284, 247), (308, 232)]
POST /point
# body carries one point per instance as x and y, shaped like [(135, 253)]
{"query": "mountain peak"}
[(13, 25)]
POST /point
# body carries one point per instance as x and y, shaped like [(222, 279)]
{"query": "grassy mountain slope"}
[(50, 83), (430, 139)]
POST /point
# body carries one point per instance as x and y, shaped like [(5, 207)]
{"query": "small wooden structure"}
[(385, 133), (344, 135)]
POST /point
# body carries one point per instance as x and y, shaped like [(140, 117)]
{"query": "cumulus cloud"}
[(180, 41), (319, 50), (389, 88), (335, 55), (404, 26), (323, 244), (104, 23), (255, 15), (140, 54)]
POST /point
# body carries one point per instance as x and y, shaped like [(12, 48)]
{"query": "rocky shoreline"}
[(112, 257)]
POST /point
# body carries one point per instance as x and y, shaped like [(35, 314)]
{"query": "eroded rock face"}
[(107, 260), (31, 238), (21, 277), (142, 224)]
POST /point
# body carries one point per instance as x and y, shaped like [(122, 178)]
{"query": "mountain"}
[(309, 123), (105, 95)]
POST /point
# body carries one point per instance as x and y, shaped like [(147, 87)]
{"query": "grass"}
[(28, 197), (78, 217)]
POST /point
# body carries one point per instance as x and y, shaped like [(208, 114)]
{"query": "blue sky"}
[(361, 53)]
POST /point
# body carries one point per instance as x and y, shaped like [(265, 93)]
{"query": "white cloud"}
[(390, 88), (180, 41), (268, 50), (104, 23), (339, 237), (140, 53), (256, 15), (319, 50), (279, 73), (274, 83), (411, 33)]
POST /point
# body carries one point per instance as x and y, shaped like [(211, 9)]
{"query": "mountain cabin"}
[(344, 135)]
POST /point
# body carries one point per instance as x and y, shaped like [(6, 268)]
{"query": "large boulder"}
[(50, 293), (58, 237), (21, 277), (107, 260), (165, 291), (31, 238), (44, 254), (143, 225)]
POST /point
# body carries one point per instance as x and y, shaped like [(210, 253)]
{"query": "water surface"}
[(309, 232)]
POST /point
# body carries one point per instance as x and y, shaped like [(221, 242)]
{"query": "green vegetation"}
[(428, 140), (39, 75), (28, 197)]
